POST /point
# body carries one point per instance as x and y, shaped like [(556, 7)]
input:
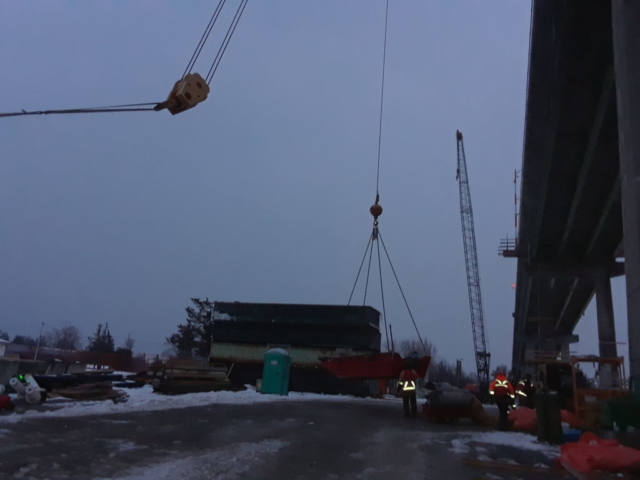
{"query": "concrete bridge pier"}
[(606, 328), (606, 325), (626, 45)]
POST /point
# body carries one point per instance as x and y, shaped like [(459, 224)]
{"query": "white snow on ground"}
[(144, 399), (459, 447), (460, 441), (519, 440), (25, 470), (227, 463)]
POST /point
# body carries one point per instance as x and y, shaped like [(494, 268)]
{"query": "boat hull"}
[(372, 366)]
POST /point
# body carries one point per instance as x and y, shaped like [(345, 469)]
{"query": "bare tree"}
[(501, 369), (67, 337), (408, 346), (129, 343)]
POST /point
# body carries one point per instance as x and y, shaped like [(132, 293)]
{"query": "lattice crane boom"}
[(473, 274)]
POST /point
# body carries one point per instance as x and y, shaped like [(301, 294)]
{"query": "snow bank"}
[(144, 399)]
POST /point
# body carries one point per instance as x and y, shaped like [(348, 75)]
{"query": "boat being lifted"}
[(374, 366)]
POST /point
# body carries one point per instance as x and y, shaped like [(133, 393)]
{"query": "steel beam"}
[(576, 269), (613, 197), (557, 80), (594, 136)]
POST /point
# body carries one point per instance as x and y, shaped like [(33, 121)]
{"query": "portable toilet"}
[(275, 373)]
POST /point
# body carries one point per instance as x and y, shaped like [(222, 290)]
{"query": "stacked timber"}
[(91, 391), (190, 379)]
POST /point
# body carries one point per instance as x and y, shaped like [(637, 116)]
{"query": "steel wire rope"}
[(366, 285), (204, 38), (360, 270), (133, 107), (402, 292), (384, 308), (225, 41), (384, 64)]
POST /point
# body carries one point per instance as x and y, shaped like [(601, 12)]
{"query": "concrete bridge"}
[(580, 167)]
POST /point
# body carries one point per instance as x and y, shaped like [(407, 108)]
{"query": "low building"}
[(3, 347), (243, 332)]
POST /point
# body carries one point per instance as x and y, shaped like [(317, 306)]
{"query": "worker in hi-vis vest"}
[(525, 391), (408, 383), (503, 394)]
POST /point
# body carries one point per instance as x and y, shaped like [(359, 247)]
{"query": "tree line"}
[(68, 337)]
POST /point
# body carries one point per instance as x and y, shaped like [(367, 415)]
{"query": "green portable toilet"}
[(275, 373)]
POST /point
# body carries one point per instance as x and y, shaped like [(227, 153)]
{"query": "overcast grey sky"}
[(261, 194)]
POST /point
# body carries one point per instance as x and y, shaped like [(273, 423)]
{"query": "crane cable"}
[(131, 107), (384, 67), (376, 235), (156, 106), (204, 38), (226, 40)]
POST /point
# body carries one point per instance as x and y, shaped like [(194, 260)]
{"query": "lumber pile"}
[(190, 379), (91, 391)]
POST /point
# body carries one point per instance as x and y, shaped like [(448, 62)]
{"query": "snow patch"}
[(143, 399), (484, 458), (368, 472), (228, 463), (511, 439), (459, 446), (24, 470), (123, 446)]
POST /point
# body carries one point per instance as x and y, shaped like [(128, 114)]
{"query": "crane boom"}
[(473, 274)]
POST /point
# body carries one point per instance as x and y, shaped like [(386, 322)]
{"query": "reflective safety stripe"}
[(502, 383), (409, 385), (491, 392), (520, 392)]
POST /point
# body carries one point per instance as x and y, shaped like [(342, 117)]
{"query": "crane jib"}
[(473, 272)]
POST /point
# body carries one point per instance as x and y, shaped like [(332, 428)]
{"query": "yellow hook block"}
[(186, 94)]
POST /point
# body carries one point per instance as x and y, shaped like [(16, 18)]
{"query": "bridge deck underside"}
[(570, 214)]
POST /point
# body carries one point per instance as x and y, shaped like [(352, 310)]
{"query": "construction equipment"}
[(586, 398), (473, 275)]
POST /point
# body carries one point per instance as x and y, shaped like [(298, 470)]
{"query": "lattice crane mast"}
[(483, 357)]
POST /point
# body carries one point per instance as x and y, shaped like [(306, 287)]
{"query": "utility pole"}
[(35, 355)]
